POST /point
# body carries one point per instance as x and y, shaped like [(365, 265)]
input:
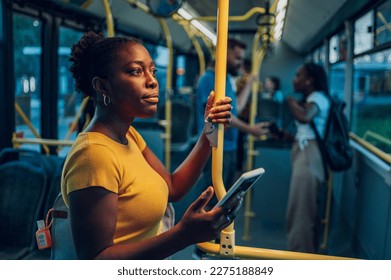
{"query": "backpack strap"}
[(320, 141), (322, 149)]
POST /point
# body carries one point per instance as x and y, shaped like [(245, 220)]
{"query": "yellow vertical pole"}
[(220, 81), (109, 18), (251, 152), (326, 220), (258, 53), (227, 239), (168, 105), (250, 145)]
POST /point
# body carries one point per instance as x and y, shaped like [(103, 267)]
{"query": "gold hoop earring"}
[(106, 100)]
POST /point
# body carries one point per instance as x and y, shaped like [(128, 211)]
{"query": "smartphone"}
[(243, 184)]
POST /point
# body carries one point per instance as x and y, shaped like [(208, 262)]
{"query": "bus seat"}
[(181, 124), (63, 247), (22, 188), (182, 121), (269, 110), (54, 165)]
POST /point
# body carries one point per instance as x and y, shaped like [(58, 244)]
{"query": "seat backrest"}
[(268, 110), (63, 247), (181, 122), (53, 165), (22, 188)]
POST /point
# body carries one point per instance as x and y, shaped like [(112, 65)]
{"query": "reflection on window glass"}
[(343, 46), (27, 61), (337, 80), (69, 100), (372, 99), (334, 49), (383, 18), (338, 46), (319, 55), (309, 57), (180, 71), (363, 33), (315, 57), (322, 55)]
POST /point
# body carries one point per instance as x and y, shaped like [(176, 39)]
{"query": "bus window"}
[(371, 117), (363, 33), (69, 101), (337, 80), (383, 17), (337, 50), (27, 69), (319, 55)]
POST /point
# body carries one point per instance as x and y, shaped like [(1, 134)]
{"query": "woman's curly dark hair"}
[(318, 75), (92, 56)]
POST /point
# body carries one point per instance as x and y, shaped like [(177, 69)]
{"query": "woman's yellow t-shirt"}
[(95, 160)]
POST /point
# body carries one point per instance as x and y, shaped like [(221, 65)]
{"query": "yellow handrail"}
[(258, 53), (251, 152), (74, 123), (140, 5), (386, 26), (227, 239), (326, 219), (371, 148), (30, 125), (190, 33), (244, 17), (267, 254), (376, 136), (220, 81), (168, 103), (41, 141), (86, 4), (109, 18)]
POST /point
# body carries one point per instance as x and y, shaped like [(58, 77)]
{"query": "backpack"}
[(336, 151)]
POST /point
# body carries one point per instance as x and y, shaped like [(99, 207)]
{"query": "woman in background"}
[(307, 166)]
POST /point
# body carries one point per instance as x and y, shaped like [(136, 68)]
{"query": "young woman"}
[(116, 188), (307, 173)]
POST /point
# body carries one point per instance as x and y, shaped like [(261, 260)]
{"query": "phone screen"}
[(244, 183)]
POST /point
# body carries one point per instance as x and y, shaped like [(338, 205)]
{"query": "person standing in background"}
[(205, 84), (307, 167), (272, 89)]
